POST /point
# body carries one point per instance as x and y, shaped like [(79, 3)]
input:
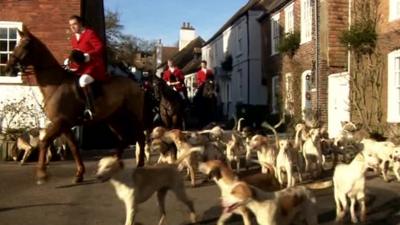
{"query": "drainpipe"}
[(316, 71), (348, 51), (248, 58)]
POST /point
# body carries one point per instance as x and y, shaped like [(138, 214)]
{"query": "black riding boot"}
[(89, 109)]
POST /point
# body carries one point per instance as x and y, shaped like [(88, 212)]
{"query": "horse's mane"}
[(45, 51), (166, 90), (45, 60)]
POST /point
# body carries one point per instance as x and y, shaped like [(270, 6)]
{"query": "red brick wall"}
[(388, 41), (46, 19)]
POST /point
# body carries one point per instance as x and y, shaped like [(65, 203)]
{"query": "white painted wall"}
[(242, 40), (14, 93)]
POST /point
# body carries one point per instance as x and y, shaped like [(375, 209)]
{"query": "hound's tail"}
[(320, 185)]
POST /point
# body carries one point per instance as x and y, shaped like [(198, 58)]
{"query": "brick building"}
[(388, 43), (299, 83)]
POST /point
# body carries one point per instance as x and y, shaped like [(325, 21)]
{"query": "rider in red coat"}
[(203, 74), (87, 59), (175, 79)]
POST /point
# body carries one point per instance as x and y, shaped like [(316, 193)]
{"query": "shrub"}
[(289, 44)]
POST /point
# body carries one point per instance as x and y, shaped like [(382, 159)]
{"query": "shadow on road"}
[(86, 182), (35, 205)]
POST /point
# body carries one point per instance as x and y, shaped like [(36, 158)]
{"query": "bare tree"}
[(123, 47)]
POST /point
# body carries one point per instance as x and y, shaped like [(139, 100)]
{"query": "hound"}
[(284, 207), (349, 182), (137, 187)]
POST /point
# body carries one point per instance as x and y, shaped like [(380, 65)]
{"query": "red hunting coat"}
[(89, 42), (177, 75), (202, 76)]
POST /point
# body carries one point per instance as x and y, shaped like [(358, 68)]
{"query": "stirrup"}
[(88, 114)]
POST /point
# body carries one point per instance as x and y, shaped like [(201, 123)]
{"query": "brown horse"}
[(171, 104), (120, 104)]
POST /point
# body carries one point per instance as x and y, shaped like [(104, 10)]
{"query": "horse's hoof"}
[(77, 180), (41, 180), (41, 176)]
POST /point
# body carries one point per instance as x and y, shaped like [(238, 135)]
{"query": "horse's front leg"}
[(141, 139), (52, 131), (73, 145)]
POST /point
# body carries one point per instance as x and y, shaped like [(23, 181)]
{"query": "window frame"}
[(275, 30), (289, 98), (306, 84), (393, 100), (11, 24), (274, 91), (289, 24), (239, 41), (305, 21)]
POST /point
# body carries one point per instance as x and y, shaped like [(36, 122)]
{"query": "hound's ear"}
[(215, 173)]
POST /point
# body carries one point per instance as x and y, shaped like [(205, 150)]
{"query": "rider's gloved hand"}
[(77, 56)]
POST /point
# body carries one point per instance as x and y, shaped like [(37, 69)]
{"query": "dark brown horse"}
[(206, 103), (120, 104), (171, 104)]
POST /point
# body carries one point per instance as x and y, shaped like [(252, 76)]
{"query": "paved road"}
[(59, 202)]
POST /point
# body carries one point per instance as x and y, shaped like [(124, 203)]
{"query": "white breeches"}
[(85, 79)]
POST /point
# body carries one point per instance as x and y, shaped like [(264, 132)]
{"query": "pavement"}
[(59, 202)]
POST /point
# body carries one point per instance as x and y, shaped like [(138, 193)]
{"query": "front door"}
[(338, 102)]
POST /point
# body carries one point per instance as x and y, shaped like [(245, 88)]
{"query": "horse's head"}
[(19, 57), (157, 84), (209, 89)]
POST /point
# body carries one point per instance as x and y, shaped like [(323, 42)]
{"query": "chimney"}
[(186, 35)]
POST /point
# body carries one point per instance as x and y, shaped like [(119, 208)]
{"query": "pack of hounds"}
[(291, 167)]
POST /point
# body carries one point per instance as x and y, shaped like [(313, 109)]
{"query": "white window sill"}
[(394, 19), (304, 41), (393, 120), (274, 53), (10, 80)]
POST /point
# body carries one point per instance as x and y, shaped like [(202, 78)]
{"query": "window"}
[(8, 40), (306, 80), (306, 20), (275, 94), (394, 10), (240, 41), (289, 99), (241, 90), (274, 34), (394, 87), (289, 21)]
